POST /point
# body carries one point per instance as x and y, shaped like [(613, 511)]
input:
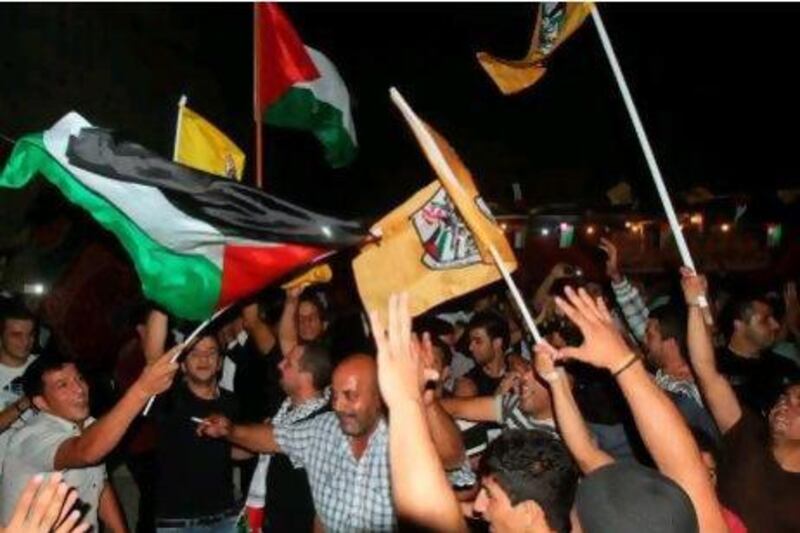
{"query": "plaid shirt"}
[(633, 307), (286, 415), (350, 494)]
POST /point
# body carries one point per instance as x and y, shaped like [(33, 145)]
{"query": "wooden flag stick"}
[(443, 169), (655, 172)]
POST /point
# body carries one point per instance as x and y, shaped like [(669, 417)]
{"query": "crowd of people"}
[(644, 409)]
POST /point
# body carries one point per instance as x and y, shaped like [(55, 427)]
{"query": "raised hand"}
[(602, 346), (214, 426), (693, 285), (612, 262), (158, 375), (544, 361), (46, 506), (401, 370)]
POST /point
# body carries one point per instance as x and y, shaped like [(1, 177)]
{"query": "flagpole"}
[(256, 103), (444, 170), (683, 248), (181, 105)]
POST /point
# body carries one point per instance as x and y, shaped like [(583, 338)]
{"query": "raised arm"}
[(257, 329), (287, 327), (100, 438), (654, 413), (155, 336), (627, 296), (420, 489), (477, 409), (571, 424), (717, 392), (444, 433)]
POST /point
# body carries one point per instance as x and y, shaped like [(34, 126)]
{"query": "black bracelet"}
[(626, 366)]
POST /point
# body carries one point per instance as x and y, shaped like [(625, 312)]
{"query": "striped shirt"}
[(511, 416), (633, 307)]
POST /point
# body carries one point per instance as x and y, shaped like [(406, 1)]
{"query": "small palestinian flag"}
[(298, 87), (197, 241)]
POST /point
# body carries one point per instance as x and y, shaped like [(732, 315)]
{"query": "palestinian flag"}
[(298, 87), (197, 241)]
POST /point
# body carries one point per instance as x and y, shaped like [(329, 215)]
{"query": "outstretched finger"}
[(572, 313), (25, 501), (404, 318), (53, 509), (69, 524), (590, 304), (47, 494), (580, 306), (69, 503), (605, 314)]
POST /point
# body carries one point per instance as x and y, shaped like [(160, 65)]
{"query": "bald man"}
[(344, 452)]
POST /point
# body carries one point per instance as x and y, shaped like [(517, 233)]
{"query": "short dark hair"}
[(33, 378), (672, 324), (534, 465), (447, 353), (16, 311), (314, 299), (316, 360), (494, 324), (741, 307)]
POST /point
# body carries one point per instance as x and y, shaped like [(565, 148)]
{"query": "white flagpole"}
[(443, 169), (683, 249), (181, 105)]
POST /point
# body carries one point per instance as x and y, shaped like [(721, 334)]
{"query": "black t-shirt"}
[(256, 383), (757, 381), (195, 474), (753, 484), (486, 384)]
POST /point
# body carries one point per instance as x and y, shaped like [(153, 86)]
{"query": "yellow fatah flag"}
[(436, 246), (201, 145), (555, 23)]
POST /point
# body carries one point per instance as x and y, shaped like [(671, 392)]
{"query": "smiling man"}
[(63, 436)]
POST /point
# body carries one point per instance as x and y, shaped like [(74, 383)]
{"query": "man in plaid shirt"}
[(345, 452)]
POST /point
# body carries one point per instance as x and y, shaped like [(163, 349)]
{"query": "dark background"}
[(715, 85)]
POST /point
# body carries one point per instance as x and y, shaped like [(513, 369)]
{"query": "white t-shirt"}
[(11, 382), (10, 392), (33, 450)]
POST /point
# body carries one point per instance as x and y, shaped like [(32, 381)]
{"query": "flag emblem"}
[(446, 240)]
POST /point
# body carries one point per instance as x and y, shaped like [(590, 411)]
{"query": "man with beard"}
[(345, 453), (279, 495), (756, 374), (759, 475)]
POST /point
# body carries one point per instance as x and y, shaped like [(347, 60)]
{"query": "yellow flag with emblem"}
[(554, 24), (199, 144), (436, 245)]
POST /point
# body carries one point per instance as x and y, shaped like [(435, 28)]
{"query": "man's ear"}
[(497, 345), (531, 513), (40, 403)]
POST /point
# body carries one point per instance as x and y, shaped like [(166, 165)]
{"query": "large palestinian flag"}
[(198, 242), (298, 87)]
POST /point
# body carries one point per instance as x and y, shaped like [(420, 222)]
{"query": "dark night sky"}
[(715, 85)]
